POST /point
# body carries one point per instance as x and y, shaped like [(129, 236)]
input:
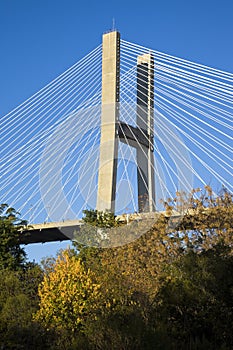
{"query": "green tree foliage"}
[(96, 229), (12, 255), (18, 303), (195, 300), (19, 282), (100, 219)]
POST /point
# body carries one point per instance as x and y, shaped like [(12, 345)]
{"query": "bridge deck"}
[(64, 230)]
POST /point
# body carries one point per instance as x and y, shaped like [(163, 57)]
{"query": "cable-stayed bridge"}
[(123, 129)]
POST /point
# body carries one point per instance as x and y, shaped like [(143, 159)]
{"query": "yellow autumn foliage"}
[(68, 294)]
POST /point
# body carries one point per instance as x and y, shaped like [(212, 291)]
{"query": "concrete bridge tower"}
[(145, 122), (114, 131), (109, 119)]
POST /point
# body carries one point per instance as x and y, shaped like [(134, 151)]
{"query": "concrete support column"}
[(145, 115), (109, 118)]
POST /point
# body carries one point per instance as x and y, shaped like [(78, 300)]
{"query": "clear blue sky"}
[(41, 38)]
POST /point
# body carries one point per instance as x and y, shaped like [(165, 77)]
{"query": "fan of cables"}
[(49, 155)]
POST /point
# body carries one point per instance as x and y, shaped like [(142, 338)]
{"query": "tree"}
[(100, 219), (18, 303), (97, 228), (195, 300), (12, 255), (19, 282), (68, 296)]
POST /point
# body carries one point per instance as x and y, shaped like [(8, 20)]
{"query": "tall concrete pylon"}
[(145, 122), (109, 118), (113, 130)]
